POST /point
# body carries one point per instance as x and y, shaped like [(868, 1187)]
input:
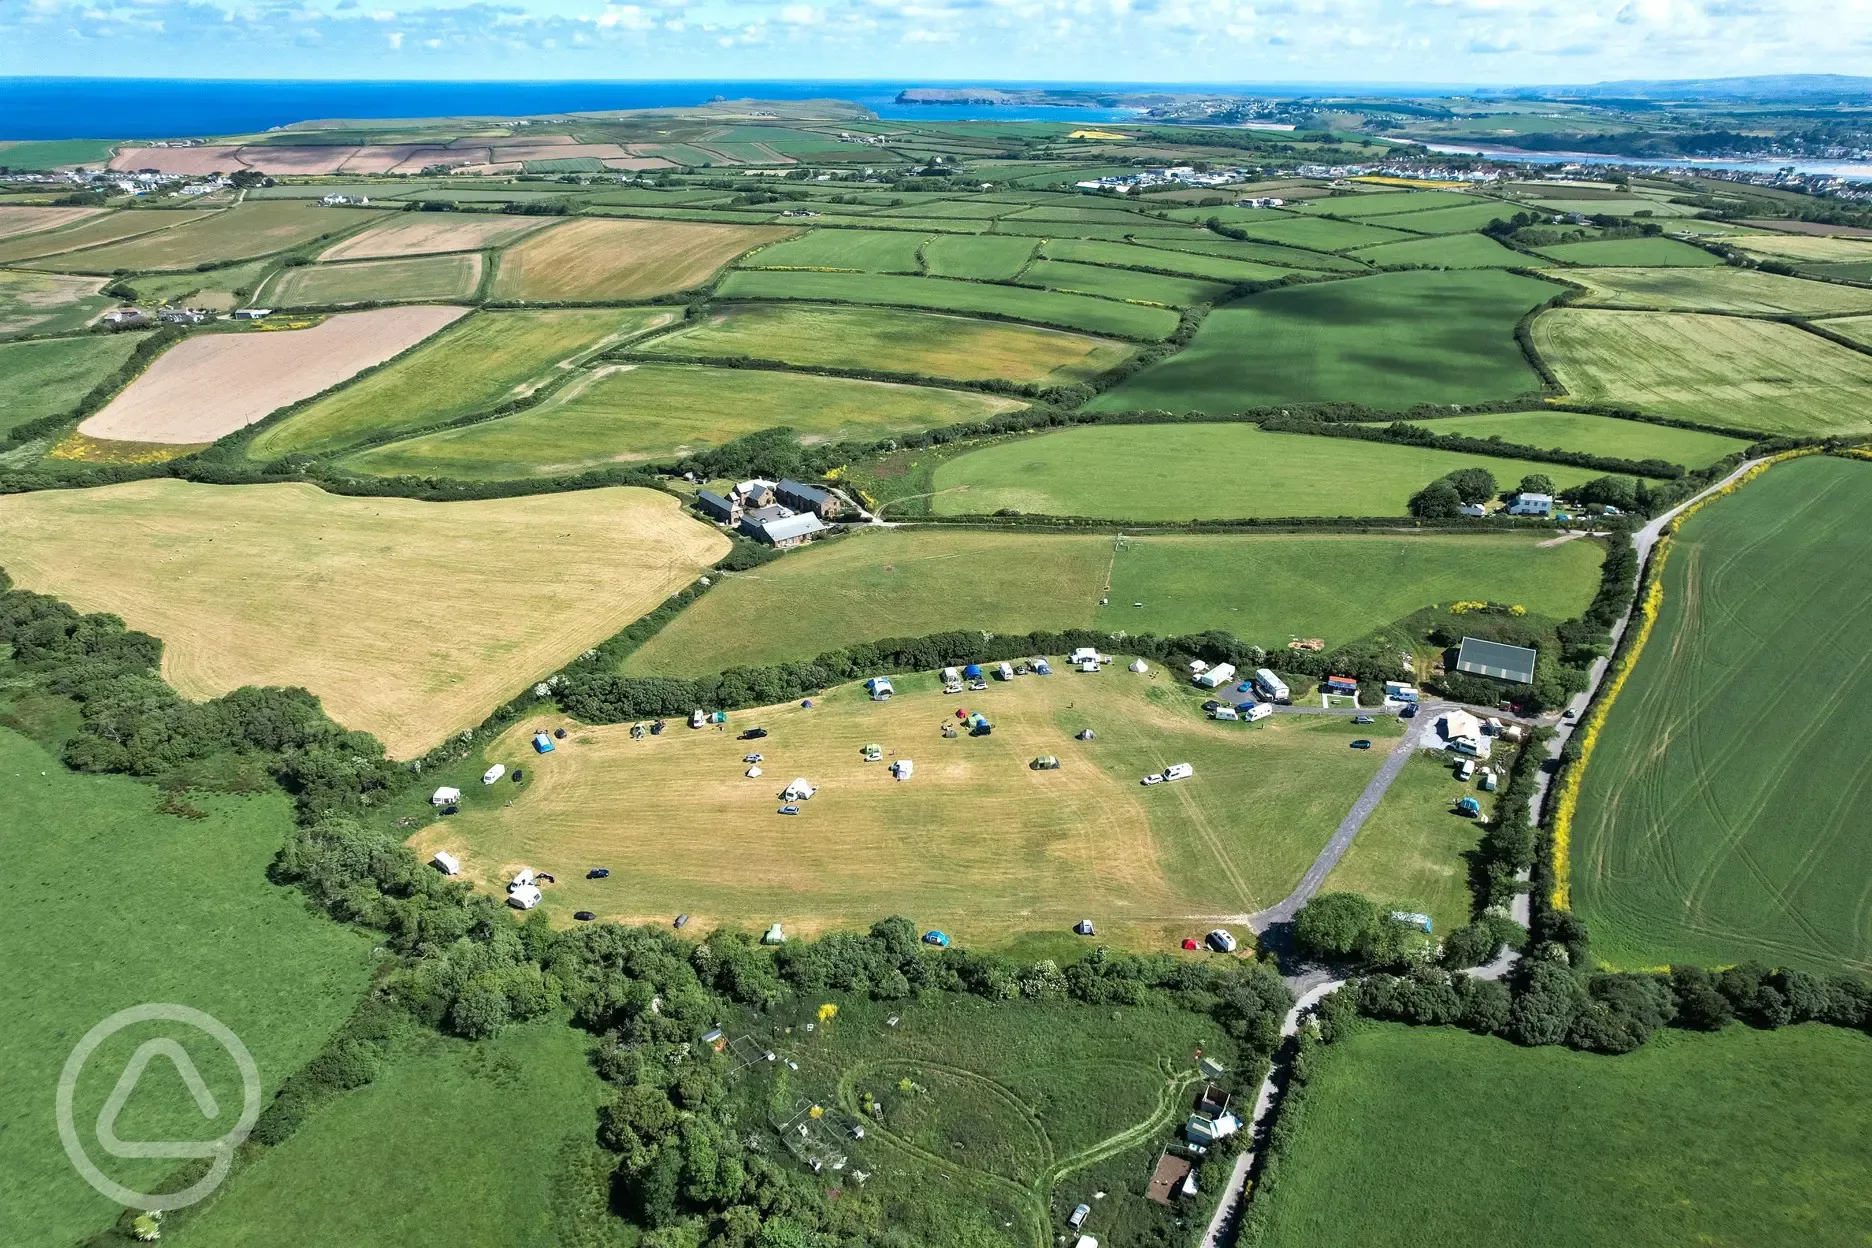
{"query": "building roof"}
[(789, 527), (800, 489), (1492, 658), (711, 499)]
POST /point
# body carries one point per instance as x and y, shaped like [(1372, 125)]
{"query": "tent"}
[(972, 672), (873, 753), (1085, 734), (753, 772), (522, 880), (445, 796), (938, 938), (978, 725), (493, 773), (773, 936), (1139, 666), (1084, 928), (1046, 762), (799, 790), (542, 743)]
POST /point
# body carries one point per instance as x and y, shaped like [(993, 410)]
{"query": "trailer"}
[(1257, 712), (493, 773), (1004, 671), (1273, 686)]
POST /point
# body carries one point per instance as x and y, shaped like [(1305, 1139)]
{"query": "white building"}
[(1531, 505)]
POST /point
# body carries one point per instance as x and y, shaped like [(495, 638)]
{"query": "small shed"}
[(1341, 684), (446, 862), (493, 773), (445, 796)]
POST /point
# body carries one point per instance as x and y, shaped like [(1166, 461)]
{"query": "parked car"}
[(559, 733), (1153, 778), (682, 921), (1211, 704), (1222, 940), (753, 734), (518, 773), (598, 873), (789, 809), (1361, 744), (1363, 719), (583, 916)]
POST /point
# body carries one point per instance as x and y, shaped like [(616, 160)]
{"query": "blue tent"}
[(972, 671), (542, 743), (939, 939)]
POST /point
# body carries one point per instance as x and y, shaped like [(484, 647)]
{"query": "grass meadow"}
[(48, 303), (1320, 234), (1265, 588), (1744, 838), (976, 842), (1132, 287), (238, 233), (1390, 340), (1384, 203), (94, 232), (417, 278), (121, 905), (1452, 251), (1261, 253), (1188, 263), (1204, 472), (1412, 854), (1435, 1138), (1721, 289), (1098, 316), (1644, 252), (48, 377), (1595, 435), (453, 1145), (1718, 370), (1454, 219), (289, 585), (625, 412), (892, 339), (484, 360), (988, 257), (863, 251)]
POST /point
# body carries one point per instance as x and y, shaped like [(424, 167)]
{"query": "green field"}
[(1263, 253), (1192, 264), (1390, 341), (57, 153), (1432, 1136), (1721, 289), (1321, 235), (1265, 588), (1382, 203), (417, 278), (867, 251), (49, 377), (431, 1153), (1744, 838), (48, 303), (122, 905), (987, 257), (1857, 328), (1168, 472), (483, 360), (1412, 853), (238, 233), (1452, 220), (222, 289), (1092, 279), (892, 340), (1098, 316), (630, 412), (1455, 251), (1596, 435), (1718, 370), (1638, 252)]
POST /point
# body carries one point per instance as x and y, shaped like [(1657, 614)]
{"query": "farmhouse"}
[(1514, 664), (784, 532), (1531, 505), (802, 497), (755, 493), (715, 507), (119, 318)]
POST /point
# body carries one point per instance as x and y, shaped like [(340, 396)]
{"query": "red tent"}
[(1189, 942), (961, 712)]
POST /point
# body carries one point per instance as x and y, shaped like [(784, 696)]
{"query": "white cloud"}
[(395, 39)]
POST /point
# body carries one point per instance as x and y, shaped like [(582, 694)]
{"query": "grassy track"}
[(1742, 839), (1167, 472), (987, 257), (418, 278), (236, 234), (1412, 852), (975, 842), (1390, 340), (1632, 251), (649, 411), (1264, 588), (1717, 370), (880, 251), (1192, 264), (1596, 435), (415, 1158), (1720, 289), (1099, 316), (842, 336), (48, 303), (289, 585), (1431, 1136), (123, 905), (1092, 279), (46, 378), (489, 358), (1454, 251)]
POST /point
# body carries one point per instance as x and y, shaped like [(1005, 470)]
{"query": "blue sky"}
[(1438, 41)]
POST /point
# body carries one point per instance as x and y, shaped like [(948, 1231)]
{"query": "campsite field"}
[(209, 385), (1596, 435), (124, 905), (485, 360), (894, 340), (1264, 588), (624, 412), (239, 233), (593, 259), (431, 233), (1743, 838), (48, 377), (289, 585), (976, 842), (1390, 340), (1718, 370), (1743, 1137), (418, 278), (1721, 289), (1632, 251), (48, 303), (1170, 472), (1412, 853), (414, 1156), (1043, 307)]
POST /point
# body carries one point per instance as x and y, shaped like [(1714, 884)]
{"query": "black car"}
[(559, 733), (1361, 744), (598, 873), (753, 734), (1211, 705), (584, 916), (682, 920), (518, 774)]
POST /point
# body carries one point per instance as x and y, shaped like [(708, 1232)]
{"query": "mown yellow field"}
[(593, 258), (410, 620), (974, 842)]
